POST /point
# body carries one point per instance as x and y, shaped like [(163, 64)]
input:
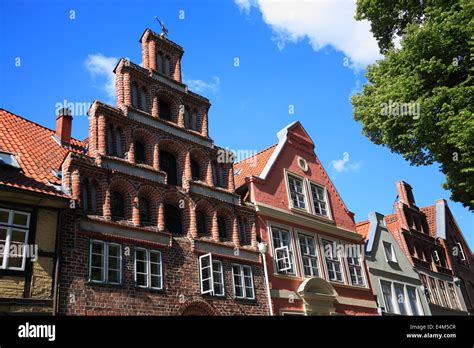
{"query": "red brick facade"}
[(153, 179), (429, 249)]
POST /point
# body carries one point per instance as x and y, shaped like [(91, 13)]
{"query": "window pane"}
[(413, 301), (96, 274), (3, 234), (141, 279), (399, 292), (296, 192), (20, 219), (387, 295), (4, 215), (141, 266), (113, 276), (156, 282)]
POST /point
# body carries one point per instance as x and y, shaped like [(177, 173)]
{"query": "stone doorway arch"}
[(197, 308), (318, 295)]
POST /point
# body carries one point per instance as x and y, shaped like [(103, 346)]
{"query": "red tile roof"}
[(252, 166), (362, 228), (36, 152)]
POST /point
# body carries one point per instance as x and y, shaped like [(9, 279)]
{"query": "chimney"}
[(64, 126), (405, 193)]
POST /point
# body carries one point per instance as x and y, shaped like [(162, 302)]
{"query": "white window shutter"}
[(282, 254), (205, 262)]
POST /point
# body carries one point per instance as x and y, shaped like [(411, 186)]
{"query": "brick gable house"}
[(427, 240), (157, 228), (299, 216)]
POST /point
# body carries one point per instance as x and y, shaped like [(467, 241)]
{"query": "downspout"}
[(262, 247), (57, 263)]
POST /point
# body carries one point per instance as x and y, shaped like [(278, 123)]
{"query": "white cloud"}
[(323, 22), (201, 86), (102, 66), (343, 165)]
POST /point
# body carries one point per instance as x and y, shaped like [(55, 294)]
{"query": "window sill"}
[(152, 290), (311, 215), (105, 285)]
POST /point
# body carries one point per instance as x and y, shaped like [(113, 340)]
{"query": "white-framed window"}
[(461, 252), (318, 193), (211, 275), (14, 229), (434, 291), (387, 296), (333, 260), (389, 252), (148, 269), (218, 278), (443, 293), (105, 262), (243, 282), (283, 250), (309, 255), (401, 300), (297, 192), (413, 300), (453, 297), (355, 270)]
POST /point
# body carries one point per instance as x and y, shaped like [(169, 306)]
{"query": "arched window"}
[(216, 175), (194, 121), (187, 122), (173, 219), (145, 211), (242, 227), (143, 104), (134, 95), (169, 166), (140, 152), (85, 195), (159, 62), (93, 206), (117, 205), (195, 170), (110, 140), (222, 228), (167, 71), (119, 142), (164, 110), (201, 223)]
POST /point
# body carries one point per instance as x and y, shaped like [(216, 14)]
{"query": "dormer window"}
[(9, 160)]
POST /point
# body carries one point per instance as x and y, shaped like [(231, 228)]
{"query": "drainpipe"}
[(57, 264), (262, 247)]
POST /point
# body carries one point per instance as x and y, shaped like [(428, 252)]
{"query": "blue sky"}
[(310, 59)]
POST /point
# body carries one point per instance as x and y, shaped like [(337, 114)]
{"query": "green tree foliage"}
[(419, 98)]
